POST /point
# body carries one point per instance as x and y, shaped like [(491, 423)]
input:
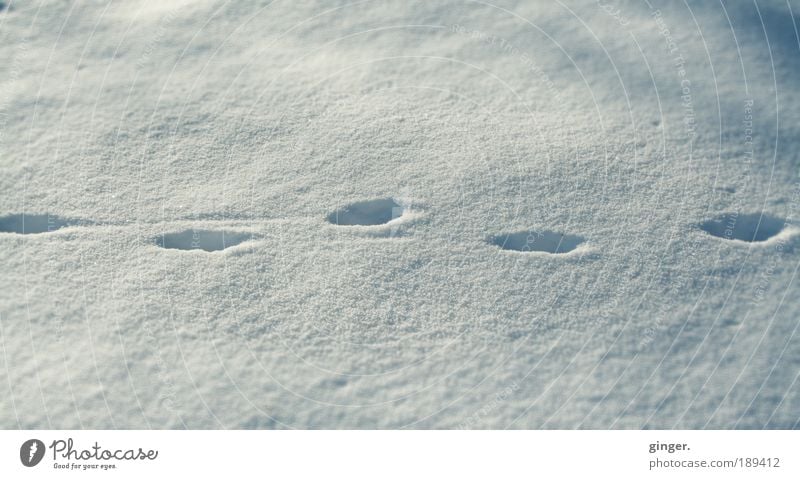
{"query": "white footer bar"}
[(399, 454)]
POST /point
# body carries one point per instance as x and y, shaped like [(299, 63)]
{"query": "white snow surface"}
[(156, 133)]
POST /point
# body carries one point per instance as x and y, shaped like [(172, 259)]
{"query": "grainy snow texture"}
[(399, 214)]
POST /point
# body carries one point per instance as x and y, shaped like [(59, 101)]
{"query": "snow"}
[(286, 214)]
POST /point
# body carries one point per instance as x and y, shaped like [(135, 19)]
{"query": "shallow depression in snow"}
[(31, 224), (752, 227), (206, 240), (541, 241), (367, 213)]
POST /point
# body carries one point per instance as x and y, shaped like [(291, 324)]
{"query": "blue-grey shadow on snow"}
[(751, 227), (367, 213), (537, 241), (31, 224), (205, 240)]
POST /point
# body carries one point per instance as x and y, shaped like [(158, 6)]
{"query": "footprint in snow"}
[(753, 227), (537, 241), (25, 224), (205, 240), (367, 213)]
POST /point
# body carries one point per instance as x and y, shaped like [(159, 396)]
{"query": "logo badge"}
[(31, 452)]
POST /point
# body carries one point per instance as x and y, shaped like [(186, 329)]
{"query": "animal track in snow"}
[(206, 240), (31, 224), (367, 213), (537, 241), (753, 227)]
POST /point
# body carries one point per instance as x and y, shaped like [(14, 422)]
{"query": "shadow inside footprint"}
[(206, 240), (752, 227), (367, 213), (541, 241), (31, 224)]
